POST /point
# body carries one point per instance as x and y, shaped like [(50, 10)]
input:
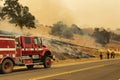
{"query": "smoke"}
[(103, 13), (8, 27), (50, 11)]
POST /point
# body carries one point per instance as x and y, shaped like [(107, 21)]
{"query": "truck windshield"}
[(36, 41)]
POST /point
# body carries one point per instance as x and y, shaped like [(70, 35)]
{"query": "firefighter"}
[(112, 53), (101, 55), (108, 54)]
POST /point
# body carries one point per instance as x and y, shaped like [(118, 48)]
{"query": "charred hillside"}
[(65, 50), (61, 49), (82, 43)]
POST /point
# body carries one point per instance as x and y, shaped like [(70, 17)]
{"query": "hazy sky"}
[(101, 13)]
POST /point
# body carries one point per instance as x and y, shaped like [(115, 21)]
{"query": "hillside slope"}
[(78, 47)]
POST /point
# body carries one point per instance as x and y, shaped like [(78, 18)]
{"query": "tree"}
[(58, 28), (102, 36), (67, 33), (18, 14), (115, 36), (62, 30), (76, 30)]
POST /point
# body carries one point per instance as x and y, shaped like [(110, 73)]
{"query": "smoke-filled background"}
[(85, 13)]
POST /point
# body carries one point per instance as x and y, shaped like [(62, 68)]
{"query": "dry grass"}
[(74, 60), (86, 43)]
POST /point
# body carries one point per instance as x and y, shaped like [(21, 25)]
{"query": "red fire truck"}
[(23, 51)]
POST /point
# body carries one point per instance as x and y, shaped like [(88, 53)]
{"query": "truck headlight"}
[(1, 56), (13, 56)]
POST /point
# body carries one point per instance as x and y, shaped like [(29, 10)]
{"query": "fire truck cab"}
[(23, 51)]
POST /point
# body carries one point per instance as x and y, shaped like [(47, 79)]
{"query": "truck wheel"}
[(30, 67), (7, 66), (47, 62)]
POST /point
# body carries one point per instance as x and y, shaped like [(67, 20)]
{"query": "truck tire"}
[(30, 67), (47, 62), (7, 66)]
